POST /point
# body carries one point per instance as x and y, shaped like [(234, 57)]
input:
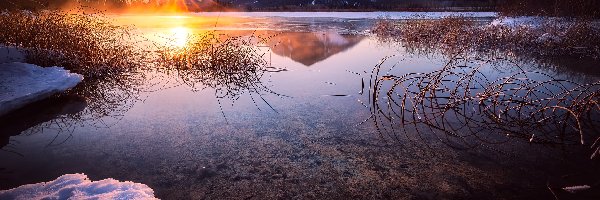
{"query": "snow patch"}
[(531, 21), (78, 186), (518, 21), (548, 37), (548, 29), (22, 83)]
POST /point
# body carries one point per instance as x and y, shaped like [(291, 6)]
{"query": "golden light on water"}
[(175, 30), (180, 36)]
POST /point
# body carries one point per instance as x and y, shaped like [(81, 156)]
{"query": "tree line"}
[(585, 8), (569, 8)]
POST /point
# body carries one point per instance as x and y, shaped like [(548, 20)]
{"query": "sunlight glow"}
[(180, 36)]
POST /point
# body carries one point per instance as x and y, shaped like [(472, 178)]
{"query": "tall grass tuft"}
[(451, 35), (84, 43), (232, 66), (87, 44), (463, 105)]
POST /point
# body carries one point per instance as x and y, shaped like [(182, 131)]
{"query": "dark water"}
[(310, 138)]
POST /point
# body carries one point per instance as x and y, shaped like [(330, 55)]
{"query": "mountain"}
[(309, 48)]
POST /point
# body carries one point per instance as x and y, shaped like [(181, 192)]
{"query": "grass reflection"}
[(465, 106), (232, 66), (119, 68), (88, 44), (467, 103)]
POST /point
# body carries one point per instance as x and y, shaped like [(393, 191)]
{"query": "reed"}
[(462, 105), (117, 66), (451, 35), (88, 44), (232, 66)]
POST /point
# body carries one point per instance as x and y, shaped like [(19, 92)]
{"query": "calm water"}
[(309, 138)]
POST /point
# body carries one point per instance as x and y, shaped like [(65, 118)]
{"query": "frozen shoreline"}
[(78, 186), (23, 83)]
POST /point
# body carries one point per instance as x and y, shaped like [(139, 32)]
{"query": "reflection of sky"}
[(306, 47), (175, 125), (334, 60), (179, 36)]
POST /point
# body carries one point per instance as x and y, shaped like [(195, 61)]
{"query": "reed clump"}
[(463, 105), (451, 35), (87, 44), (230, 65), (84, 43)]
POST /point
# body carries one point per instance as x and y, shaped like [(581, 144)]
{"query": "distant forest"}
[(573, 8), (586, 8)]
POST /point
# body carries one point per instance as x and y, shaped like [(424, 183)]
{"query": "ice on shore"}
[(529, 21), (548, 29), (517, 21), (78, 186), (22, 83)]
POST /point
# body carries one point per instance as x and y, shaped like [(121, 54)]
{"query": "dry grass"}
[(464, 102), (116, 69), (87, 44), (464, 106), (232, 66), (84, 43), (454, 35), (115, 66)]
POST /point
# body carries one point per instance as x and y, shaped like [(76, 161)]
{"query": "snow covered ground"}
[(351, 15), (78, 186), (549, 29), (22, 83), (532, 21)]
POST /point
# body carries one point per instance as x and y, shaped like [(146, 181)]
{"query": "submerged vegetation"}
[(464, 106)]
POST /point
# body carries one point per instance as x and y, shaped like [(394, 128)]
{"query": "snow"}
[(78, 186), (548, 37), (518, 21), (352, 15), (531, 21), (575, 189), (548, 29), (22, 83)]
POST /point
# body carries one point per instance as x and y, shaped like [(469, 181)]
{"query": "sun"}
[(180, 36)]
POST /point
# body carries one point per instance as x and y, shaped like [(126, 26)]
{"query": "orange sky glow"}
[(152, 6)]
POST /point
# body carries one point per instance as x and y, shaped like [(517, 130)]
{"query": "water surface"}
[(310, 137)]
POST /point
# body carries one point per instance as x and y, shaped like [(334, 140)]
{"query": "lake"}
[(303, 129)]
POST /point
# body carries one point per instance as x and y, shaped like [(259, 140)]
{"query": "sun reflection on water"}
[(179, 36)]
